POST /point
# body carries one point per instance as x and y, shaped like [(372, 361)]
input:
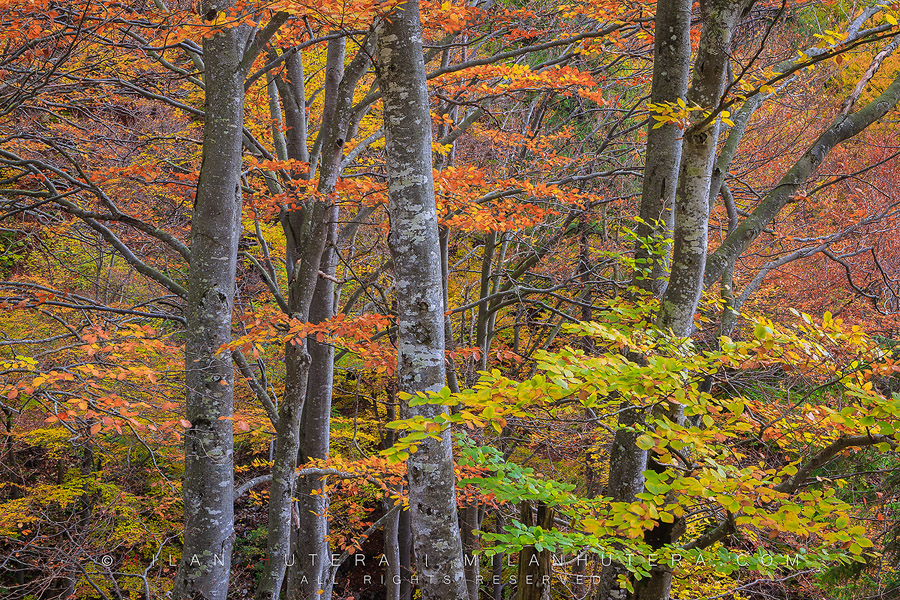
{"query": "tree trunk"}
[(314, 233), (497, 562), (312, 504), (692, 201), (671, 67), (209, 374), (469, 523), (404, 541), (627, 464), (679, 303), (392, 577), (841, 129), (415, 251), (281, 490), (535, 568)]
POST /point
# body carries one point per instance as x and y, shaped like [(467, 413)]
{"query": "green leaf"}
[(645, 442)]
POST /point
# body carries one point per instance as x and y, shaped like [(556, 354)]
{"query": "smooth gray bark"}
[(297, 359), (682, 293), (415, 251), (404, 541), (278, 139), (315, 435), (303, 256), (671, 69), (497, 563), (311, 232), (297, 364), (281, 489), (692, 198), (209, 374), (469, 523), (315, 233), (679, 302), (392, 575)]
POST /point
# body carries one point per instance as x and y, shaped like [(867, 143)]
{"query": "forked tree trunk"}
[(315, 232), (415, 251), (682, 295), (679, 303), (215, 231)]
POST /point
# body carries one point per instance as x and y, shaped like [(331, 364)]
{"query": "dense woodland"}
[(457, 300)]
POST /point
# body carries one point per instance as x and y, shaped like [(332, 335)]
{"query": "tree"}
[(540, 158), (415, 252), (671, 68), (209, 376)]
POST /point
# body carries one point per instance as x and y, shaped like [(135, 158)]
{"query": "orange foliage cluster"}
[(516, 78), (353, 333)]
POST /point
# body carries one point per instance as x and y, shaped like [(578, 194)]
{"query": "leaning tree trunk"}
[(215, 231), (415, 250), (844, 127)]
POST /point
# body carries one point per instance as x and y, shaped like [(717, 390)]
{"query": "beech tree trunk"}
[(315, 437), (535, 566), (301, 252), (404, 541), (215, 231), (314, 232), (671, 68), (284, 463), (679, 303), (415, 251), (392, 577), (692, 201), (627, 464), (469, 523)]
